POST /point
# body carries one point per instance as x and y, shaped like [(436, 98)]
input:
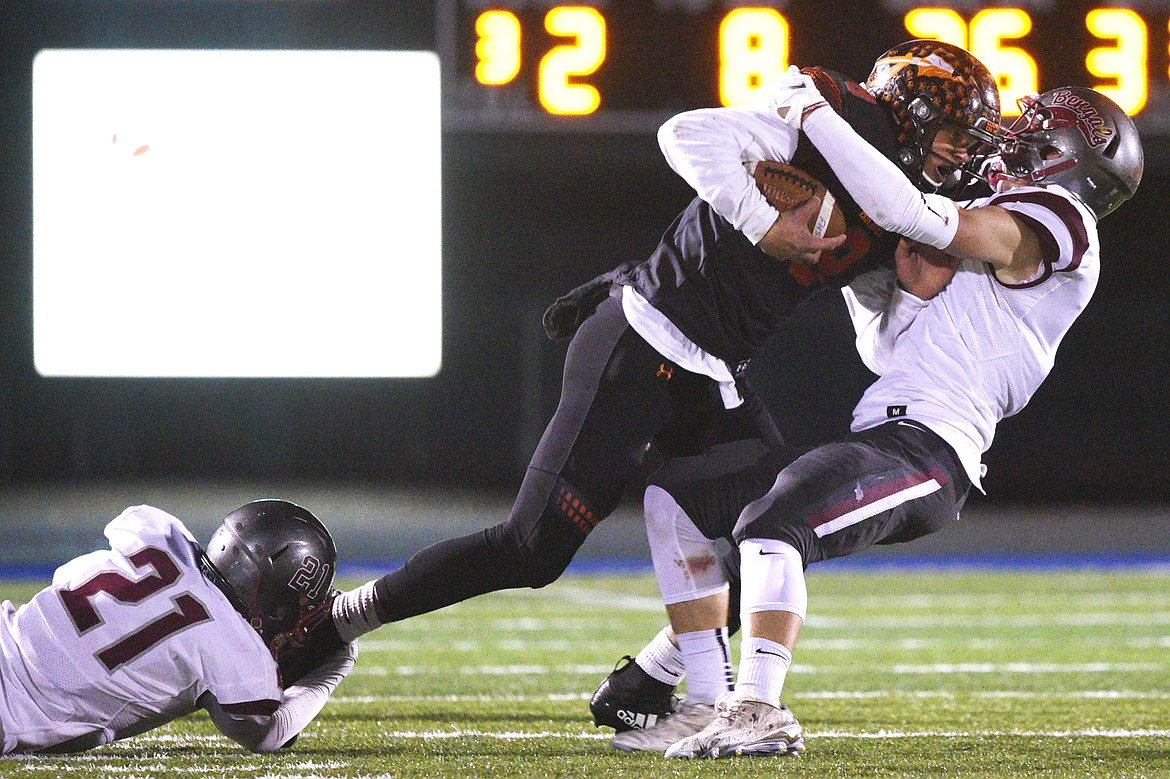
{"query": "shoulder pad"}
[(836, 88), (826, 84)]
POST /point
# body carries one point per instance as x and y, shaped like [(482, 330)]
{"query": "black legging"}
[(618, 395)]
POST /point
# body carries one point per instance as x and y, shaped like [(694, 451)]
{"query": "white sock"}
[(662, 660), (707, 657), (763, 664), (354, 613)]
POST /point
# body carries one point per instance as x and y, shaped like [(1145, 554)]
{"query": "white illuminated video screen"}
[(236, 213)]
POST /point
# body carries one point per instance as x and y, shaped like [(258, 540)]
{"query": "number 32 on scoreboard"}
[(498, 52), (753, 47)]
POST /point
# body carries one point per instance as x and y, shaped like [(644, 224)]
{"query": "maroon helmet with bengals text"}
[(1079, 139), (928, 84)]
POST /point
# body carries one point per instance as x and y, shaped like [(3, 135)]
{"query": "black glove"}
[(308, 644), (564, 316)]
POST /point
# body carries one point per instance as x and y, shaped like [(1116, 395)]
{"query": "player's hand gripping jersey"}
[(125, 640)]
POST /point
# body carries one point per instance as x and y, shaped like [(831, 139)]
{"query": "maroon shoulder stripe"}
[(1065, 211), (1049, 252)]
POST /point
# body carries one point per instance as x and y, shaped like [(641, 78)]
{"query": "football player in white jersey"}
[(127, 639), (973, 355), (712, 148)]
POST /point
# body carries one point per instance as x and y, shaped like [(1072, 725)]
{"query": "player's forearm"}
[(709, 147), (302, 703), (879, 187)]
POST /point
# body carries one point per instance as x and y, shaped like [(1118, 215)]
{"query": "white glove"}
[(791, 95)]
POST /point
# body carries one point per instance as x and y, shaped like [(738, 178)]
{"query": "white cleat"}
[(687, 720), (744, 727)]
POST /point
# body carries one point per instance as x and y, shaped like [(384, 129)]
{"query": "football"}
[(787, 187)]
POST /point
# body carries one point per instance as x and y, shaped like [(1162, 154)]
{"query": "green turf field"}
[(908, 673)]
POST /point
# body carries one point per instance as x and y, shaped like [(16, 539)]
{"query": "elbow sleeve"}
[(929, 219), (881, 190)]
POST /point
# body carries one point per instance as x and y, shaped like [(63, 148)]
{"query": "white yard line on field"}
[(1024, 668), (1020, 694), (551, 697), (799, 695), (880, 734), (975, 642), (1085, 619), (900, 668), (953, 639), (978, 602), (1090, 733)]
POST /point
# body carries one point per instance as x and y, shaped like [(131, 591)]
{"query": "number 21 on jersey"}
[(187, 610)]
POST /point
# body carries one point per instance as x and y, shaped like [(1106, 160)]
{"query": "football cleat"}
[(743, 726), (689, 719), (631, 699)]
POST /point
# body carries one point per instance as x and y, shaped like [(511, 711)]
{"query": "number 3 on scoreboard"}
[(78, 605)]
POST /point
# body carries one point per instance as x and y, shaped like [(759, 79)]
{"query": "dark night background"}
[(526, 217)]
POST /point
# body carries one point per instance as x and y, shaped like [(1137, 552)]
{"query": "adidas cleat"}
[(631, 699), (689, 719)]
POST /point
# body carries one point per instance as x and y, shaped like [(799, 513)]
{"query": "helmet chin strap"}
[(913, 160), (927, 177)]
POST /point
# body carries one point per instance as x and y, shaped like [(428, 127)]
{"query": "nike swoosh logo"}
[(946, 218), (766, 652)]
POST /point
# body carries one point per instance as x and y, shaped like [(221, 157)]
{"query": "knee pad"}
[(773, 578), (686, 562)]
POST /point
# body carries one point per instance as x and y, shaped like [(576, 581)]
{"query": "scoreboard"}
[(625, 65)]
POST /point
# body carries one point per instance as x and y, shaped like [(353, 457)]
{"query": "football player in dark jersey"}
[(660, 347), (1026, 264), (921, 85)]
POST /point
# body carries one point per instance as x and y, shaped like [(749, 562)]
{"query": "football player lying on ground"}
[(973, 355), (657, 357), (127, 639)]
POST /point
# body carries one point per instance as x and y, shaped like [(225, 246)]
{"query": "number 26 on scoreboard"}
[(753, 47)]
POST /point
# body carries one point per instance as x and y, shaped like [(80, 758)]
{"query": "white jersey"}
[(125, 640), (979, 351)]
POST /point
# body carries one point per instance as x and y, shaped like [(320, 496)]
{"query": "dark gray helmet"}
[(1080, 139), (275, 561)]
